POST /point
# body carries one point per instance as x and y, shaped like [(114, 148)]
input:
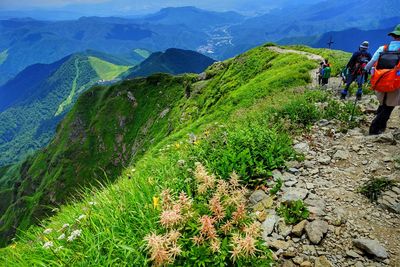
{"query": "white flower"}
[(92, 203), (74, 235), (65, 226), (48, 245), (58, 249), (47, 231), (81, 217), (61, 237)]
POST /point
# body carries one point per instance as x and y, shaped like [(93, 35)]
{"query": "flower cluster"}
[(163, 248), (216, 219)]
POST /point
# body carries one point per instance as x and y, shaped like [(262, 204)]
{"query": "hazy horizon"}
[(69, 9)]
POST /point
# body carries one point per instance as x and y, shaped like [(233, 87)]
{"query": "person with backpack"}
[(385, 80), (326, 72), (320, 72), (356, 68)]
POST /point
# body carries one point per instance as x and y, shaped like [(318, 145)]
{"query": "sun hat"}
[(396, 31)]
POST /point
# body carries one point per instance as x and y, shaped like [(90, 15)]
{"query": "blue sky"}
[(133, 7)]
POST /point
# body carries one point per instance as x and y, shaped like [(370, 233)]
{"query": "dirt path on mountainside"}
[(310, 56), (336, 166)]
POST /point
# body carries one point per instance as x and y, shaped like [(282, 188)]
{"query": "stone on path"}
[(372, 247), (294, 194), (322, 262), (301, 148), (268, 226), (257, 196), (316, 230)]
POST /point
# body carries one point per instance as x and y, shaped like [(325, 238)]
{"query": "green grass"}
[(3, 56), (106, 70), (68, 101), (257, 86)]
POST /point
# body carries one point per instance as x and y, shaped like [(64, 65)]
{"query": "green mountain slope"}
[(137, 131), (39, 97), (172, 61)]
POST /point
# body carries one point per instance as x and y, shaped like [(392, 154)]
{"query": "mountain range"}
[(35, 101), (217, 34)]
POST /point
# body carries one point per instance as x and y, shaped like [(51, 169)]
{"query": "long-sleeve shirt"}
[(392, 98), (393, 46)]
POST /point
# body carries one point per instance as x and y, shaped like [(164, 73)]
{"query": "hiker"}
[(326, 72), (320, 72), (385, 81), (344, 73), (356, 67)]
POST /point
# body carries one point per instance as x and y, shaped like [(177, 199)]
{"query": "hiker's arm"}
[(374, 59)]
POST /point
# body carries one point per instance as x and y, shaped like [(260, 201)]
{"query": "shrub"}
[(212, 228), (293, 211), (252, 151), (300, 111)]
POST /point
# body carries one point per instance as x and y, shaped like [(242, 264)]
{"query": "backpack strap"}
[(385, 48)]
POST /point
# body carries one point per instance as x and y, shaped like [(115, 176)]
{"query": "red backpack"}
[(386, 77)]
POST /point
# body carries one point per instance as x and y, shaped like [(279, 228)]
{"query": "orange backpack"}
[(386, 76)]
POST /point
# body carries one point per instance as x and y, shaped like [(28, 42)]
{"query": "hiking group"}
[(384, 67)]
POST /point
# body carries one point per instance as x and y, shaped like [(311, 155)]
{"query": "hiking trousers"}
[(379, 124), (360, 78)]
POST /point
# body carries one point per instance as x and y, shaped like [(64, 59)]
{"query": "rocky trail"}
[(344, 227)]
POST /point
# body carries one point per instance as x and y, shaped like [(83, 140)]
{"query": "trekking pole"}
[(354, 109)]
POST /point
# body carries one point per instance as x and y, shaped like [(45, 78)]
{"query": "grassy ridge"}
[(29, 124), (106, 70), (251, 87)]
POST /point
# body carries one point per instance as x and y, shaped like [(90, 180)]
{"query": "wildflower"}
[(243, 246), (175, 251), (207, 227), (155, 202), (47, 231), (48, 245), (92, 203), (58, 249), (166, 198), (61, 237), (184, 201), (222, 188), (205, 180), (198, 240), (65, 226), (217, 208), (177, 145), (215, 245), (227, 227), (170, 218), (234, 181), (253, 229), (81, 217), (239, 214), (158, 247), (173, 236), (75, 234), (13, 246)]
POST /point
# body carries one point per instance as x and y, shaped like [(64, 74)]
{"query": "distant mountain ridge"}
[(347, 40), (26, 41), (172, 61)]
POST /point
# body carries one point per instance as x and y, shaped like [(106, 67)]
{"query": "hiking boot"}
[(343, 94), (359, 94)]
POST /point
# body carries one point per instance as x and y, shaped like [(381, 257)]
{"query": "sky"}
[(139, 7)]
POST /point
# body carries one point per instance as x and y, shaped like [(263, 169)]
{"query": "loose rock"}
[(372, 247), (316, 230)]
